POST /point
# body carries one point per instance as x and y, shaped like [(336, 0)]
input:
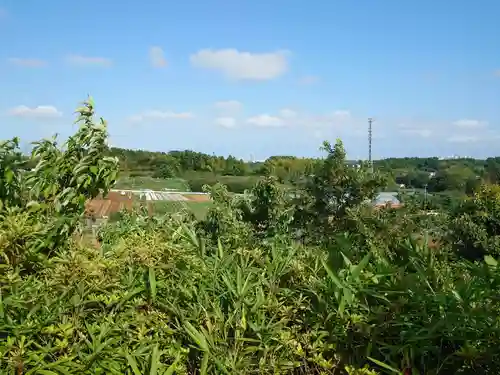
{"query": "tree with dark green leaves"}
[(475, 224), (325, 200)]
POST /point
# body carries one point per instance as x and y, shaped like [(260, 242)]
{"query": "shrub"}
[(475, 224), (234, 184)]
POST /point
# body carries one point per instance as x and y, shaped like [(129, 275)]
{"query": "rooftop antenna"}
[(370, 162)]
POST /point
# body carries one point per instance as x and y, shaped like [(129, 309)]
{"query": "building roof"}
[(385, 198)]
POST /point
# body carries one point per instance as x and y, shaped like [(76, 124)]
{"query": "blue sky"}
[(255, 77)]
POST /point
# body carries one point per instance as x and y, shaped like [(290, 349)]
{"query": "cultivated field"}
[(146, 182)]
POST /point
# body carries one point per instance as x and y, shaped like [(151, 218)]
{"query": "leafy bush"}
[(235, 184), (475, 224), (156, 296), (309, 280), (52, 196)]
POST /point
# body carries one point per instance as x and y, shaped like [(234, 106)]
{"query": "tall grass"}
[(157, 299)]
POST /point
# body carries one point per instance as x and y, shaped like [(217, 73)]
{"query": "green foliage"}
[(11, 163), (69, 176), (165, 171), (223, 222), (234, 184), (178, 162), (287, 168), (155, 297), (268, 208), (147, 182), (475, 224), (55, 191), (302, 279), (448, 176), (325, 201)]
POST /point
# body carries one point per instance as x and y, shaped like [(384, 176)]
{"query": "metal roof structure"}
[(386, 198)]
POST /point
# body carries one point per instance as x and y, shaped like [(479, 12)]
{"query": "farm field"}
[(147, 182), (158, 203), (198, 208)]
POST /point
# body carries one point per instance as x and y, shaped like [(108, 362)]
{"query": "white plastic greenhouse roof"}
[(386, 197)]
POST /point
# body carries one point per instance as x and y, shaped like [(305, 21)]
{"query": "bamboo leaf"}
[(359, 268), (155, 361), (383, 365), (133, 364), (152, 283)]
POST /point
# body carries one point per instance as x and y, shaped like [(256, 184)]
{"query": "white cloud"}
[(288, 113), (463, 138), (226, 122), (424, 133), (27, 62), (289, 117), (467, 123), (229, 106), (78, 60), (157, 57), (42, 111), (336, 118), (266, 120), (161, 116), (318, 134), (342, 114), (309, 80), (242, 65)]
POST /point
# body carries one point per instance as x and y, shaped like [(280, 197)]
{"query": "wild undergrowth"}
[(311, 281)]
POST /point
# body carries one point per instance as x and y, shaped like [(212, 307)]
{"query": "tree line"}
[(429, 173)]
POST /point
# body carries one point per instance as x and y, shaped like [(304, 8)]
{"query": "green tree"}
[(11, 174), (268, 208), (475, 224), (51, 197), (492, 169), (326, 199)]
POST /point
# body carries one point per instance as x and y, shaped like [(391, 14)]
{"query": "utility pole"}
[(370, 120), (425, 196)]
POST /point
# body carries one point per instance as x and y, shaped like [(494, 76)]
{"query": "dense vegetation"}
[(461, 175), (305, 278)]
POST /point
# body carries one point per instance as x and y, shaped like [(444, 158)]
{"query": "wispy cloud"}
[(83, 61), (239, 65), (229, 107), (155, 115), (463, 138), (287, 113), (470, 124), (157, 57), (424, 133), (266, 120), (27, 62), (39, 112), (289, 117), (226, 122)]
